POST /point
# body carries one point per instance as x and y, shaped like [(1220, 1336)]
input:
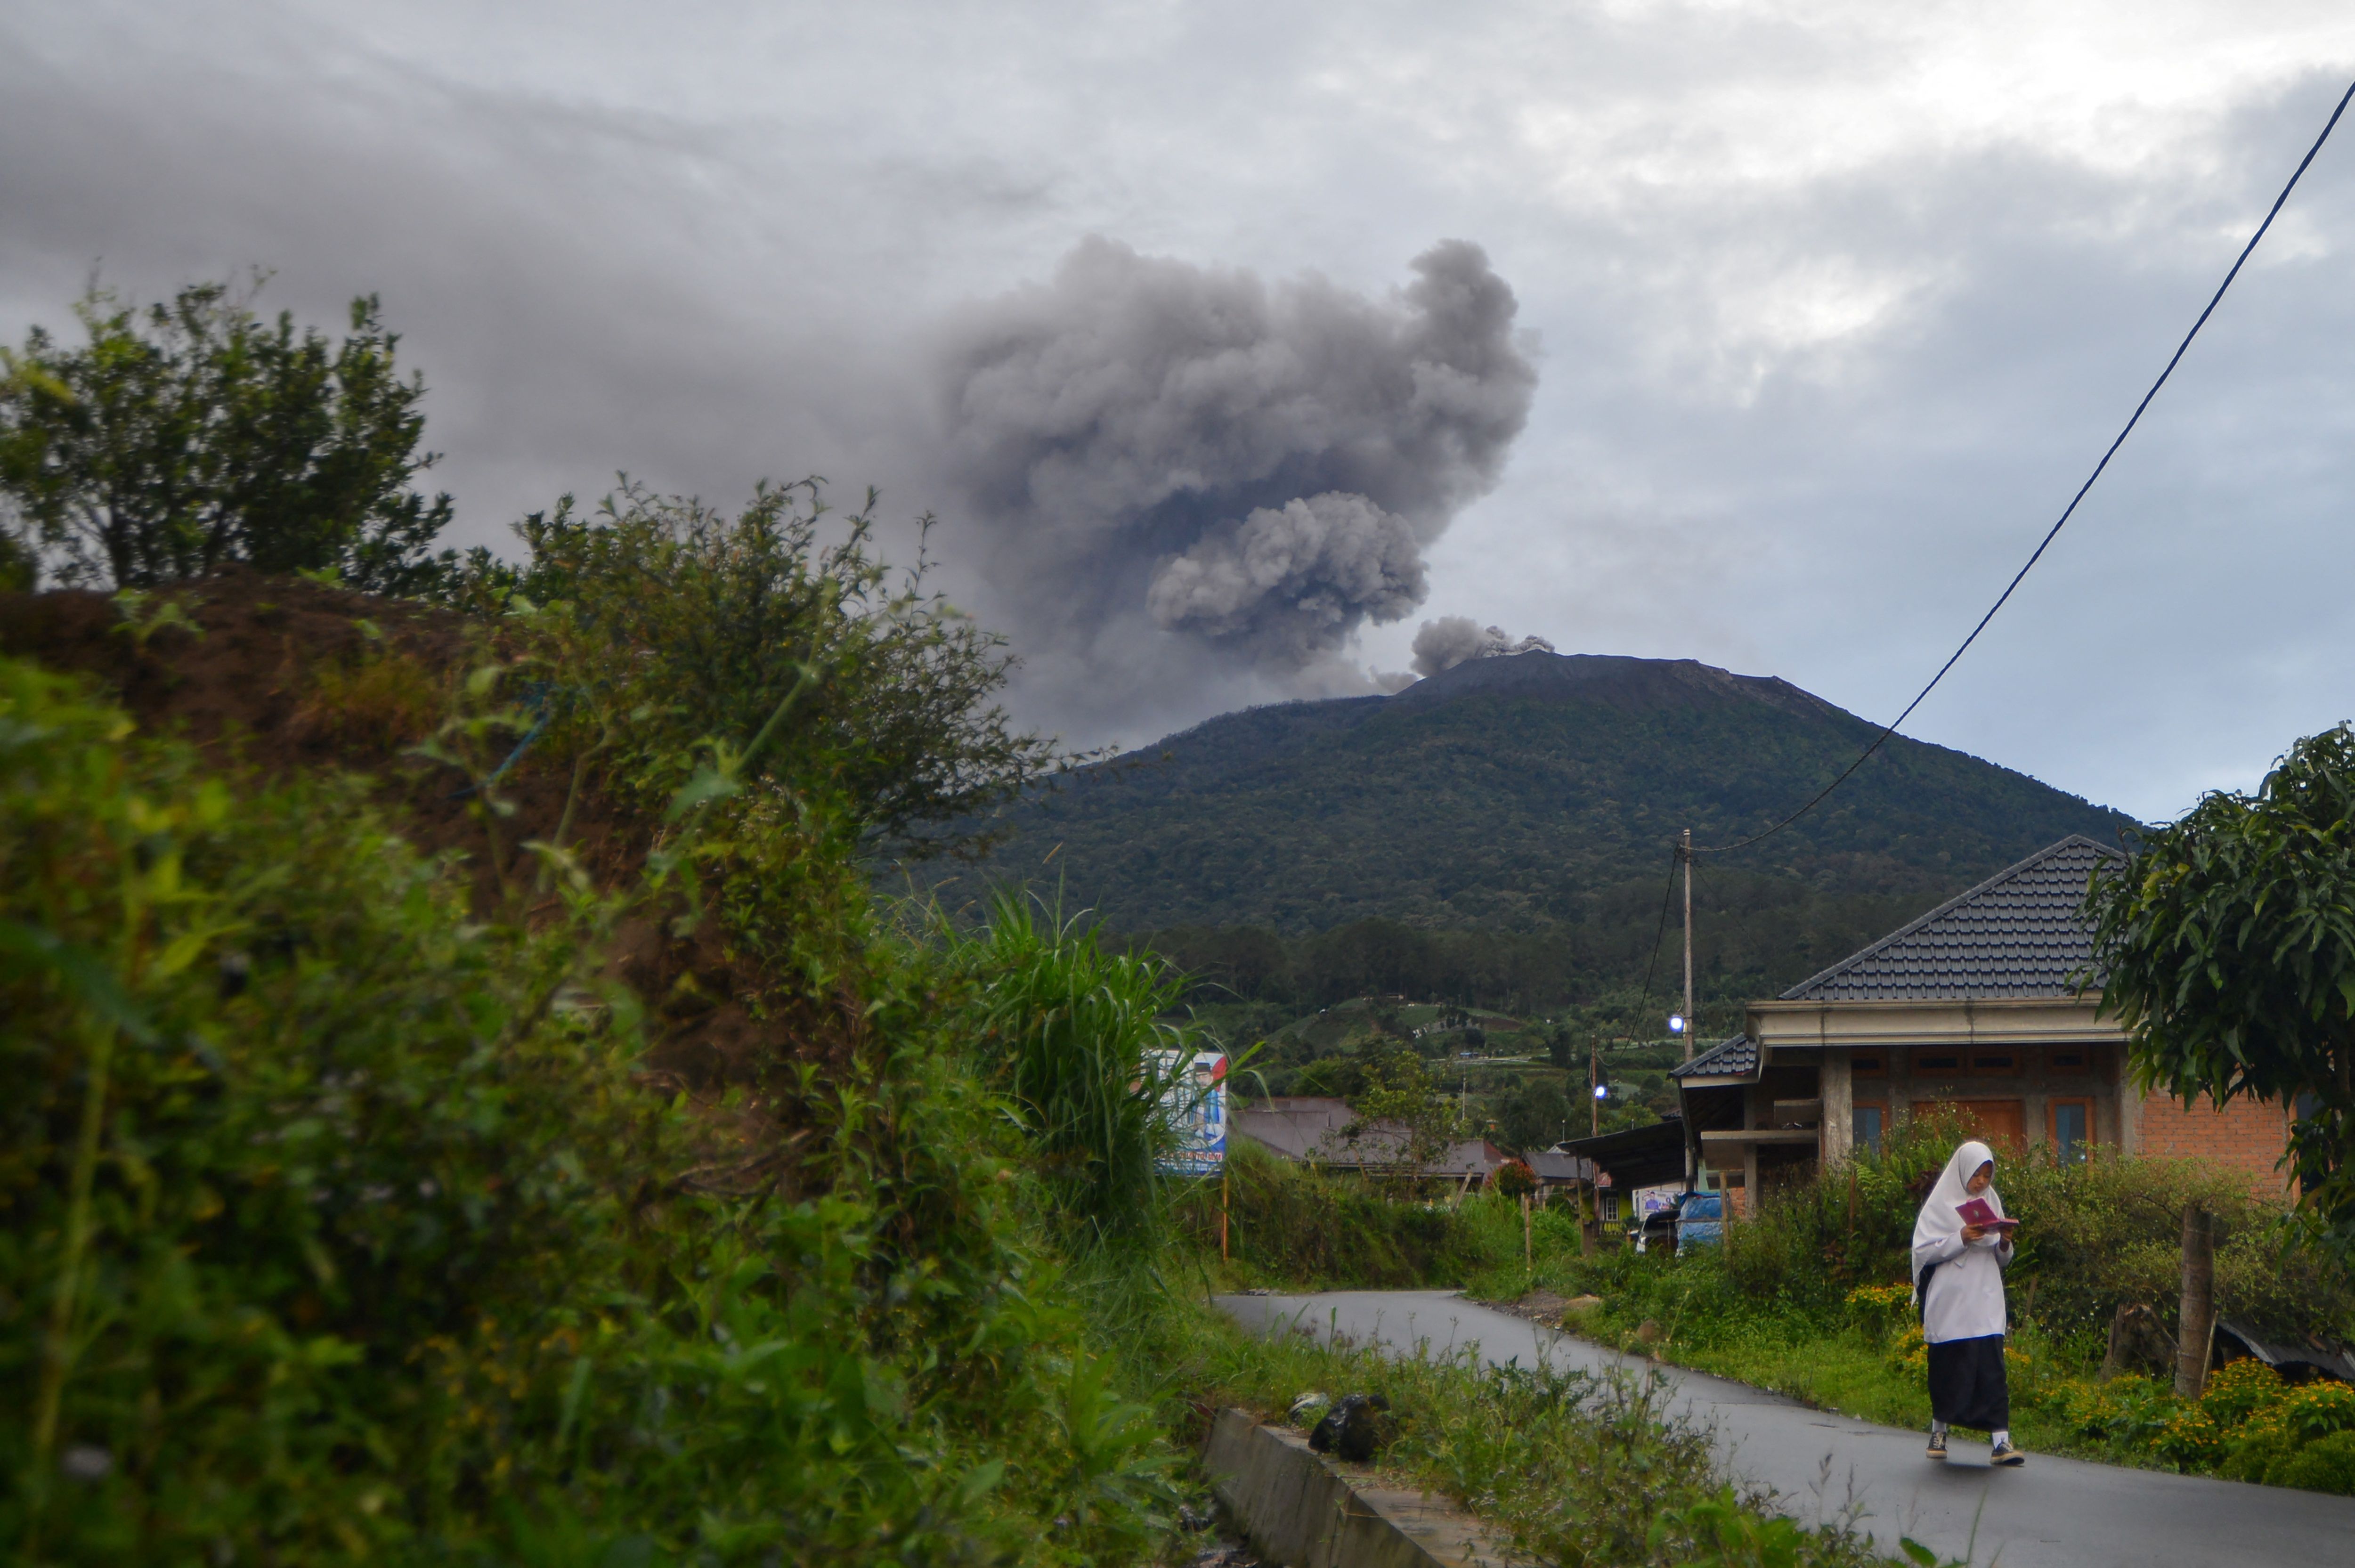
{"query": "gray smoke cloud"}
[(1293, 581), (1452, 640), (1256, 468)]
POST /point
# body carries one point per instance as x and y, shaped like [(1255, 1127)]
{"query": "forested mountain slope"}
[(1520, 792)]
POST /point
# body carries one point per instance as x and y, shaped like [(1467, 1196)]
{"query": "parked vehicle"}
[(1655, 1229), (1700, 1221)]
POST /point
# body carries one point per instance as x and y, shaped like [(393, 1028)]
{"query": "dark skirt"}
[(1967, 1386)]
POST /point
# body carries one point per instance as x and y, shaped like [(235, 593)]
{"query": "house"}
[(1972, 1007), (1313, 1129)]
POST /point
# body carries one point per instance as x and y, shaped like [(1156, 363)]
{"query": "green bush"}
[(340, 1226), (2325, 1465), (1299, 1226), (2239, 1391)]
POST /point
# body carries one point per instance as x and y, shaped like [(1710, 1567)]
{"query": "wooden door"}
[(2001, 1125)]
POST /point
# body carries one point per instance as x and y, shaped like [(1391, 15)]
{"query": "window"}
[(1870, 1064), (1865, 1123), (2075, 1058), (1995, 1063), (1934, 1062), (2073, 1130)]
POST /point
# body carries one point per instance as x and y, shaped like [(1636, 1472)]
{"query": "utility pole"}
[(1684, 853), (1593, 1082)]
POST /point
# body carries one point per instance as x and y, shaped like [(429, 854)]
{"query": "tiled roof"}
[(1726, 1059), (2016, 935)]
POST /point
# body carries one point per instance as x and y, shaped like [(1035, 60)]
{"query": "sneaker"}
[(2004, 1454), (1937, 1445)]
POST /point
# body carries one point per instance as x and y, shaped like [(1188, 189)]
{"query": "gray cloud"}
[(1254, 467), (1452, 640), (1840, 304)]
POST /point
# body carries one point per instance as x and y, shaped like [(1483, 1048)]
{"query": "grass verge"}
[(1571, 1469)]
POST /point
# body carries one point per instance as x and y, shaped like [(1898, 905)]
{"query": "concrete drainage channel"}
[(1300, 1510)]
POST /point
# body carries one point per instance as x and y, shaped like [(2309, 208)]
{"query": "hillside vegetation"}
[(1535, 794), (463, 1104)]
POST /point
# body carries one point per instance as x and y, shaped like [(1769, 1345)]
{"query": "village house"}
[(1974, 1008)]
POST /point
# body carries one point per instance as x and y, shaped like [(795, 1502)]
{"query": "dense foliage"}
[(1548, 811), (1298, 1226), (187, 435), (338, 1224), (677, 630), (2227, 945)]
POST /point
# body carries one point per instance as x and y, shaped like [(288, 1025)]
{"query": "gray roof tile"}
[(2016, 934), (1727, 1058)]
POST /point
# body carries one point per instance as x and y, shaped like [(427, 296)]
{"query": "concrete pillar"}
[(1840, 1108), (1757, 1111)]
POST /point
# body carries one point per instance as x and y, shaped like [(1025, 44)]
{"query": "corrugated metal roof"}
[(2016, 935), (1733, 1058)]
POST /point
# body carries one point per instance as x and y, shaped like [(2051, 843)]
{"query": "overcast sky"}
[(1828, 307)]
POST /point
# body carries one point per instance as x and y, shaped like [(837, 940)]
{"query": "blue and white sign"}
[(1193, 1098)]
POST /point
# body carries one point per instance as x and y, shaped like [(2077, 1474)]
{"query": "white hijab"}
[(1939, 1219)]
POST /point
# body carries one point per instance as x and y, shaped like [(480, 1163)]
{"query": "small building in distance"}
[(1970, 1009), (1313, 1129)]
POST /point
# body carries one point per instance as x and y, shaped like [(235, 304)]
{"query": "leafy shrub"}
[(1302, 1226), (2325, 1465), (2238, 1389), (2130, 1409), (339, 1224), (2315, 1410), (1880, 1310), (2192, 1439), (279, 1117), (683, 637)]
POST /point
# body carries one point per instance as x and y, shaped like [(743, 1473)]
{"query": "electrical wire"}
[(2053, 533), (1667, 897)]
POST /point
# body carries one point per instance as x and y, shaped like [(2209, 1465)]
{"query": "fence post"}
[(2195, 1326)]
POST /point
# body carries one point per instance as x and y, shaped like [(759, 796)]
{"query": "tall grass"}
[(1294, 1225), (1072, 1034)]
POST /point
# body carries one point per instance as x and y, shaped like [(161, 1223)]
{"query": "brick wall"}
[(2246, 1135)]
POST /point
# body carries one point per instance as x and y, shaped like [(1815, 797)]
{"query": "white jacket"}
[(1963, 1299)]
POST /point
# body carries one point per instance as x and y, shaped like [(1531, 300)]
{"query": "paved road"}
[(2055, 1513)]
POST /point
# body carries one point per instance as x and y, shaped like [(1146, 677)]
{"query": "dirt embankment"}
[(283, 675)]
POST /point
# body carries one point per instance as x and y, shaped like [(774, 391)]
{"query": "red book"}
[(1977, 1212)]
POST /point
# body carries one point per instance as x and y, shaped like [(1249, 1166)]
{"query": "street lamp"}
[(1676, 1023)]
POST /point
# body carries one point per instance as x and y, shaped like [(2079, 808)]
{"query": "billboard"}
[(1193, 1098)]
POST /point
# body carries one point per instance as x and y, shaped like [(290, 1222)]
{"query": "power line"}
[(1866, 755), (1668, 895)]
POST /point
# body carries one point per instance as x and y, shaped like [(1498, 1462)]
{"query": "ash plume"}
[(1253, 468), (1452, 640)]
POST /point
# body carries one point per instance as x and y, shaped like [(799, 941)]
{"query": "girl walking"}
[(1958, 1280)]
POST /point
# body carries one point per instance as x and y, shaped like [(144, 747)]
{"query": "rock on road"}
[(2054, 1513)]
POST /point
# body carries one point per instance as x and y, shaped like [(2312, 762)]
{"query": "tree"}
[(187, 435), (1402, 1124), (2226, 947), (773, 630), (1537, 1113)]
